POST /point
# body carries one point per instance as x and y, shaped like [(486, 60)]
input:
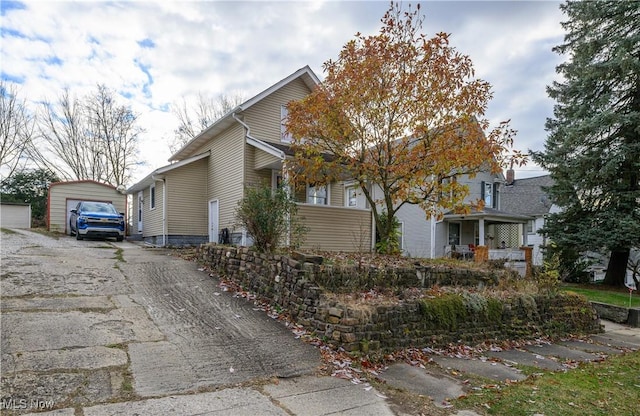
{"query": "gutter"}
[(164, 206), (262, 145), (265, 147)]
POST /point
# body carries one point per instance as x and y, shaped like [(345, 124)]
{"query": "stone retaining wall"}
[(619, 314), (299, 286)]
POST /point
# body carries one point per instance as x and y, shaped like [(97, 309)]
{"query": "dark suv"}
[(96, 219)]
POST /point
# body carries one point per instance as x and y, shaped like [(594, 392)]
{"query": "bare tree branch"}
[(90, 138), (16, 129), (194, 119)]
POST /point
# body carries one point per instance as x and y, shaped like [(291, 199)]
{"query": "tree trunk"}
[(617, 268)]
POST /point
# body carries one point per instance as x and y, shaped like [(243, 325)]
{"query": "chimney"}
[(511, 176)]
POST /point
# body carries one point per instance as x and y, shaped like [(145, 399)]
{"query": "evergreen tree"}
[(32, 187), (593, 147)]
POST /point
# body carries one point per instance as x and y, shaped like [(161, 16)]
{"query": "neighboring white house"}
[(431, 238), (15, 215), (528, 197), (64, 196)]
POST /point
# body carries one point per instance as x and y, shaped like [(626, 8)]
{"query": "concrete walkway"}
[(501, 365)]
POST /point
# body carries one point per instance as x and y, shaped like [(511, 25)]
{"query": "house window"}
[(530, 226), (352, 197), (152, 196), (317, 195), (276, 179), (488, 194), (454, 233), (284, 135)]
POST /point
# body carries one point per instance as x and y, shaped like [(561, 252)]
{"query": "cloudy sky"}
[(153, 53)]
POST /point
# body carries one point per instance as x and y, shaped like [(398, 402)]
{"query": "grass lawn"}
[(610, 387), (606, 295)]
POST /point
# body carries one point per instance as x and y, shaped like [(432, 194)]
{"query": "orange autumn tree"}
[(402, 115)]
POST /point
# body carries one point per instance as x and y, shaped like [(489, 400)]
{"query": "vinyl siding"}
[(253, 176), (537, 241), (336, 194), (152, 218), (441, 238), (262, 159), (61, 192), (417, 231), (226, 173), (187, 199), (264, 117), (336, 229)]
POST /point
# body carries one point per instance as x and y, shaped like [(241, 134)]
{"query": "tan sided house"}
[(193, 200)]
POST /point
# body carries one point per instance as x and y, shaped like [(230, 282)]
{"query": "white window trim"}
[(274, 178), (152, 197), (488, 194), (284, 113), (327, 199), (347, 198)]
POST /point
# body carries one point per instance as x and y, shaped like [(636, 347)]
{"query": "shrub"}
[(270, 216), (548, 278)]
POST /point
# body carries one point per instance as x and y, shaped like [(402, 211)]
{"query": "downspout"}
[(287, 189), (164, 207), (432, 228), (248, 135), (372, 190)]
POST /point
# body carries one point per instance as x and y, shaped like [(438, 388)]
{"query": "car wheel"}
[(119, 238)]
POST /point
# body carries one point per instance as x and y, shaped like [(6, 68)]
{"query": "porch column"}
[(481, 241), (524, 234), (432, 242)]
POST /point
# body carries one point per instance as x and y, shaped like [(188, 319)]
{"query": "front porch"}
[(488, 235)]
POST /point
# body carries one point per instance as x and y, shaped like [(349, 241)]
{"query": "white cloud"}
[(156, 52)]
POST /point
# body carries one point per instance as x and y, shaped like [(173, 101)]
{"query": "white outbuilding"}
[(15, 215), (64, 196)]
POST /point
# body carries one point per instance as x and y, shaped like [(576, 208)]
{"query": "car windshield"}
[(99, 207)]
